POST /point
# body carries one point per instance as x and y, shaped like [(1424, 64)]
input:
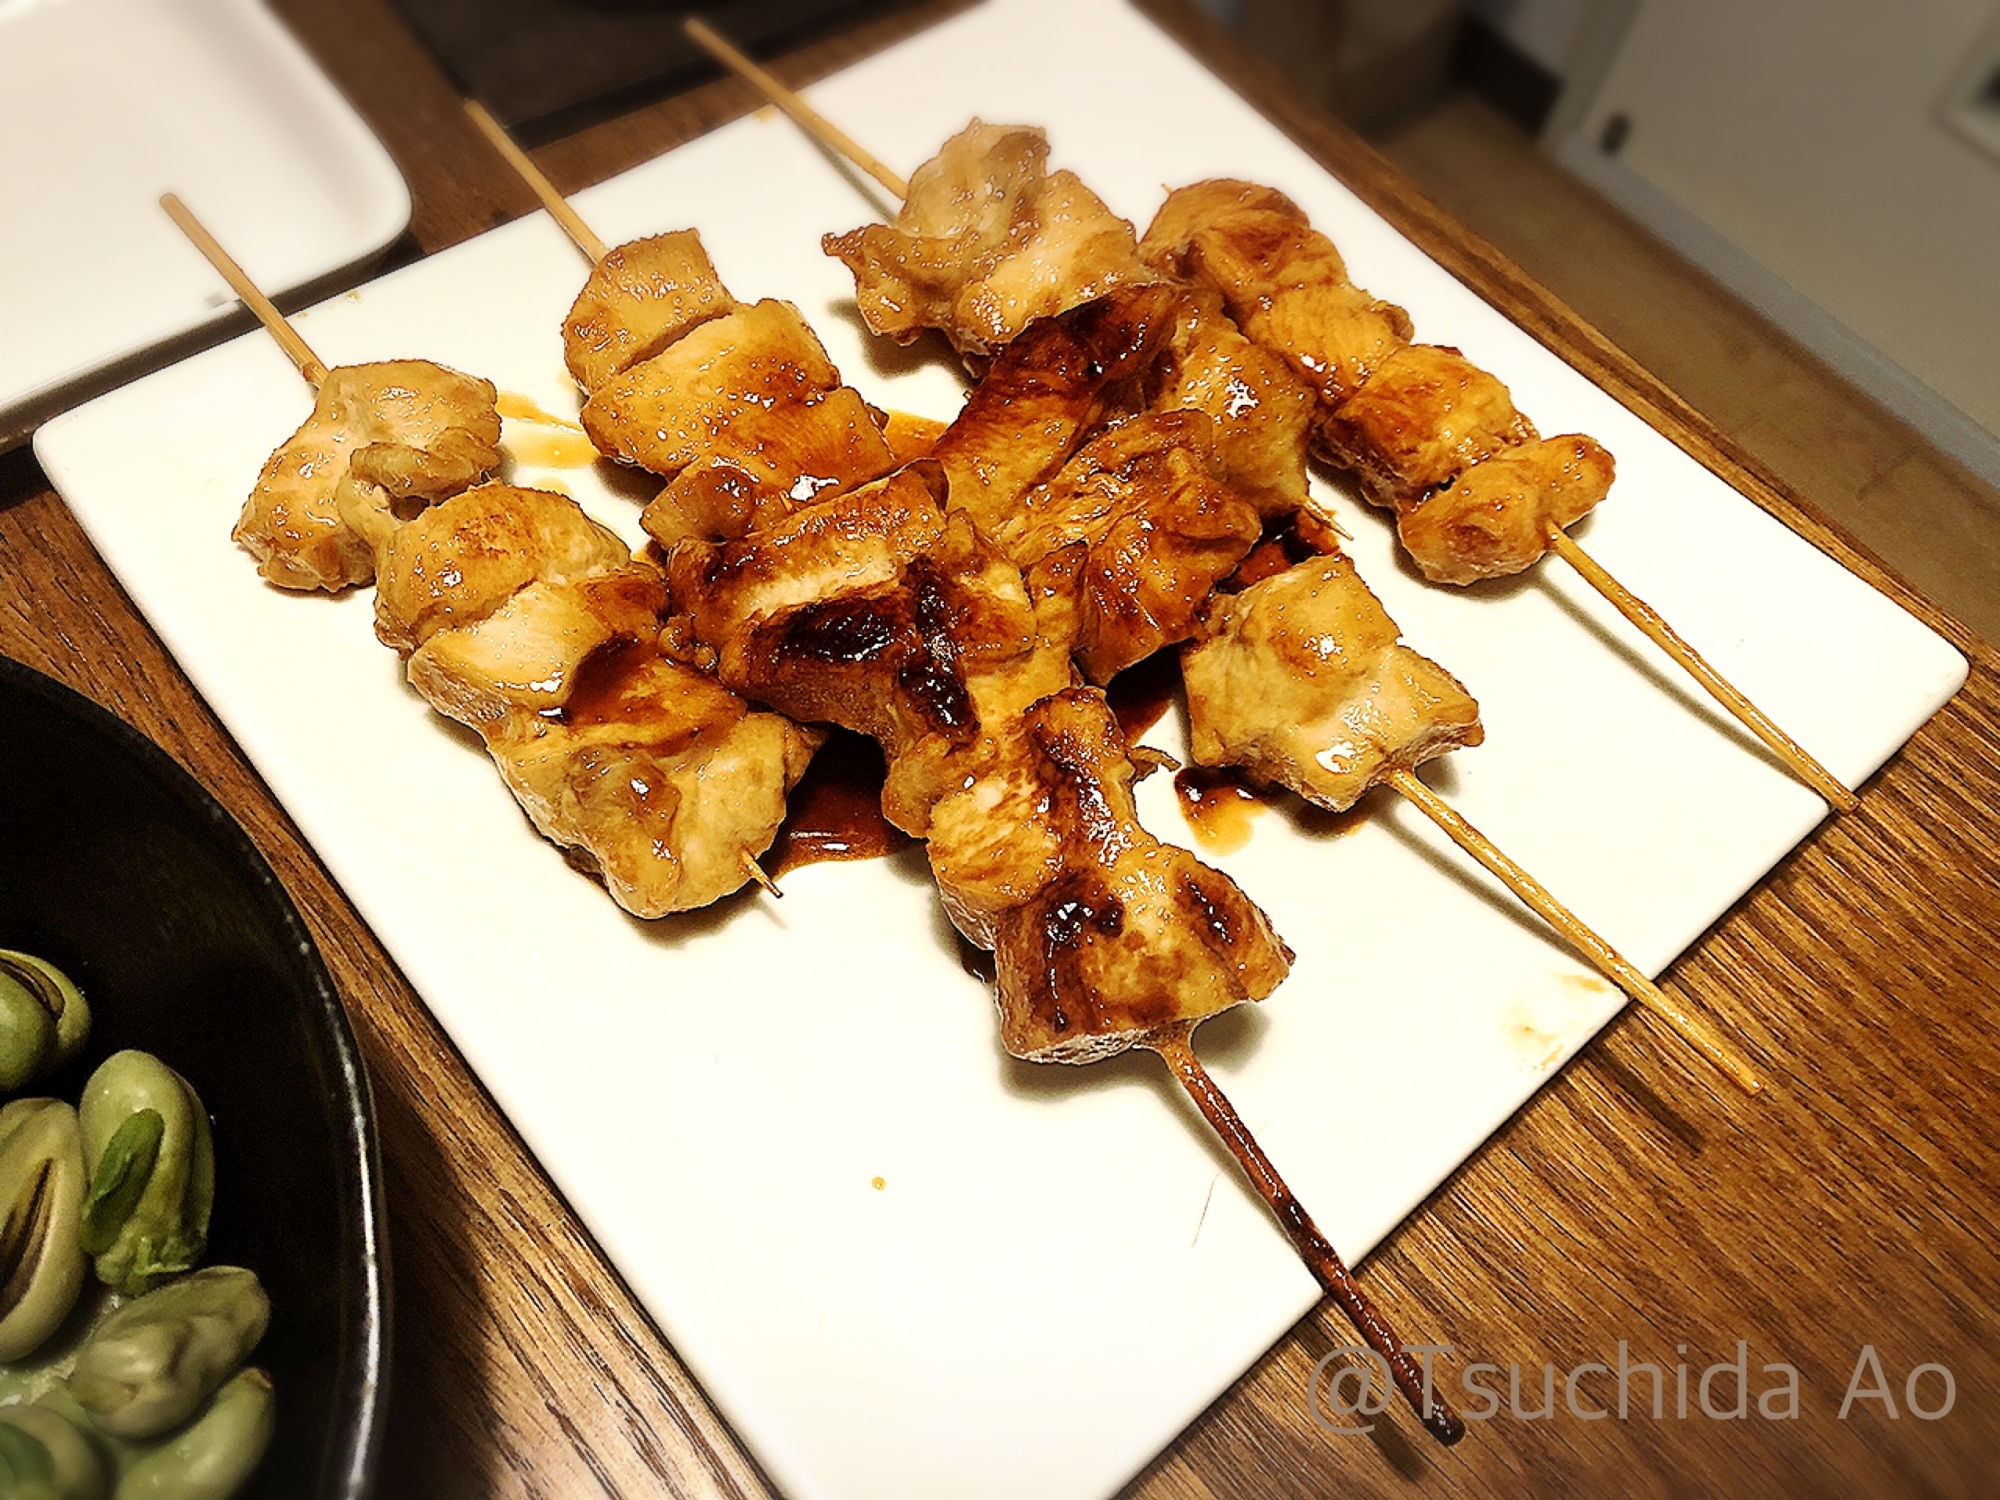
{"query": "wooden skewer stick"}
[(814, 123), (1175, 1044), (253, 298), (1628, 604), (758, 874), (1663, 635), (1609, 961), (580, 233)]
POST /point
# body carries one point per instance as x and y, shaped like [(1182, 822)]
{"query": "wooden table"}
[(1851, 1206)]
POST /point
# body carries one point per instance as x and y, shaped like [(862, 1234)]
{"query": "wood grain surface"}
[(1632, 1200)]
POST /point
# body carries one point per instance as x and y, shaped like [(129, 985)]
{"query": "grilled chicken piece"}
[(987, 241), (1262, 415), (1102, 934), (1496, 518), (532, 624), (1283, 282), (770, 463), (884, 611), (1045, 392), (401, 432), (459, 561), (1429, 414), (666, 412), (656, 777), (1138, 525), (639, 298), (1302, 681), (877, 611)]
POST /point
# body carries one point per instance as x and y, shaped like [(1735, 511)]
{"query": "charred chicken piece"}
[(1302, 680), (640, 298), (879, 612), (987, 241), (400, 433), (1141, 528), (1102, 935), (884, 611), (1064, 377)]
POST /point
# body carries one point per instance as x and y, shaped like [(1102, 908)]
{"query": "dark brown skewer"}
[(1175, 1046)]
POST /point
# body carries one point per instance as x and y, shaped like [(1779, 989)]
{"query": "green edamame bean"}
[(152, 1171), (42, 1261), (212, 1457), (151, 1364)]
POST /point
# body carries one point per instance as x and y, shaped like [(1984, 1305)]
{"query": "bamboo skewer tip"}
[(1697, 1032), (275, 323), (758, 873), (1654, 627), (1175, 1046), (809, 119), (581, 234)]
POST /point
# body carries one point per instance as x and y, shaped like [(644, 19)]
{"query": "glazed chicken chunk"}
[(1262, 415), (532, 624), (882, 613), (1283, 282), (1046, 392), (987, 241), (773, 462), (1102, 935), (404, 432), (1429, 414), (1302, 681), (712, 388), (1495, 519), (639, 298), (884, 610), (1141, 528)]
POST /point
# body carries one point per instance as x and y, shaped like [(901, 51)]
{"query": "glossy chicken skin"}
[(987, 241), (1302, 681), (1495, 519), (1282, 281), (639, 298), (532, 624), (1046, 392), (1140, 527), (1262, 415), (399, 433), (770, 463), (1102, 935), (715, 388)]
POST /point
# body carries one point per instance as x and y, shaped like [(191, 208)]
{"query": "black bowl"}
[(117, 866)]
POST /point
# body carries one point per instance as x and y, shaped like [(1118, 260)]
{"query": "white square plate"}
[(1060, 1270)]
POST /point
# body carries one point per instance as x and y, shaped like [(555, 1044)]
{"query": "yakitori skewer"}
[(495, 617), (994, 728), (1788, 751), (1698, 1033)]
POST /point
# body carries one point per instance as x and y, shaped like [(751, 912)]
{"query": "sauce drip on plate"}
[(1218, 806), (835, 811)]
